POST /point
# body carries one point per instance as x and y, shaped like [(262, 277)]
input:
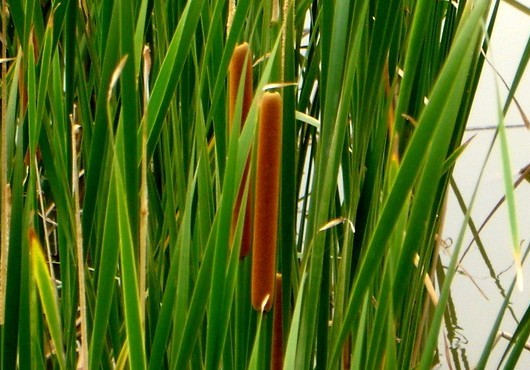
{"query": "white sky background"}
[(476, 314)]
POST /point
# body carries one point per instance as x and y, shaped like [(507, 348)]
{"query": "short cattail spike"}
[(241, 57), (266, 200)]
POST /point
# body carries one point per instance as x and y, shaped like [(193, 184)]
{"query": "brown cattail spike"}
[(240, 57), (266, 206), (277, 327)]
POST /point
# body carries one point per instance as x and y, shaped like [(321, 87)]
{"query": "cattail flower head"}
[(266, 200), (240, 58)]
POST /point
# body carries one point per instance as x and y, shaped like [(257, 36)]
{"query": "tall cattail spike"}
[(267, 199)]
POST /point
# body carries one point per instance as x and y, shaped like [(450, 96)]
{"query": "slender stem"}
[(6, 210), (144, 209), (231, 11), (83, 355), (4, 189), (44, 222)]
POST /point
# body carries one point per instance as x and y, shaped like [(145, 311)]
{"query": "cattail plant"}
[(267, 193), (277, 327), (241, 63), (137, 217)]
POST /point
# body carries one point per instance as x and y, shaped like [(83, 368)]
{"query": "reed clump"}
[(266, 201), (137, 174)]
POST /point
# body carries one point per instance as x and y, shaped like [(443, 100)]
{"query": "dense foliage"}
[(121, 173)]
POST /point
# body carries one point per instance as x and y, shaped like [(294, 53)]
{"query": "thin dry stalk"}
[(83, 352), (144, 206), (231, 11), (509, 337), (275, 16)]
